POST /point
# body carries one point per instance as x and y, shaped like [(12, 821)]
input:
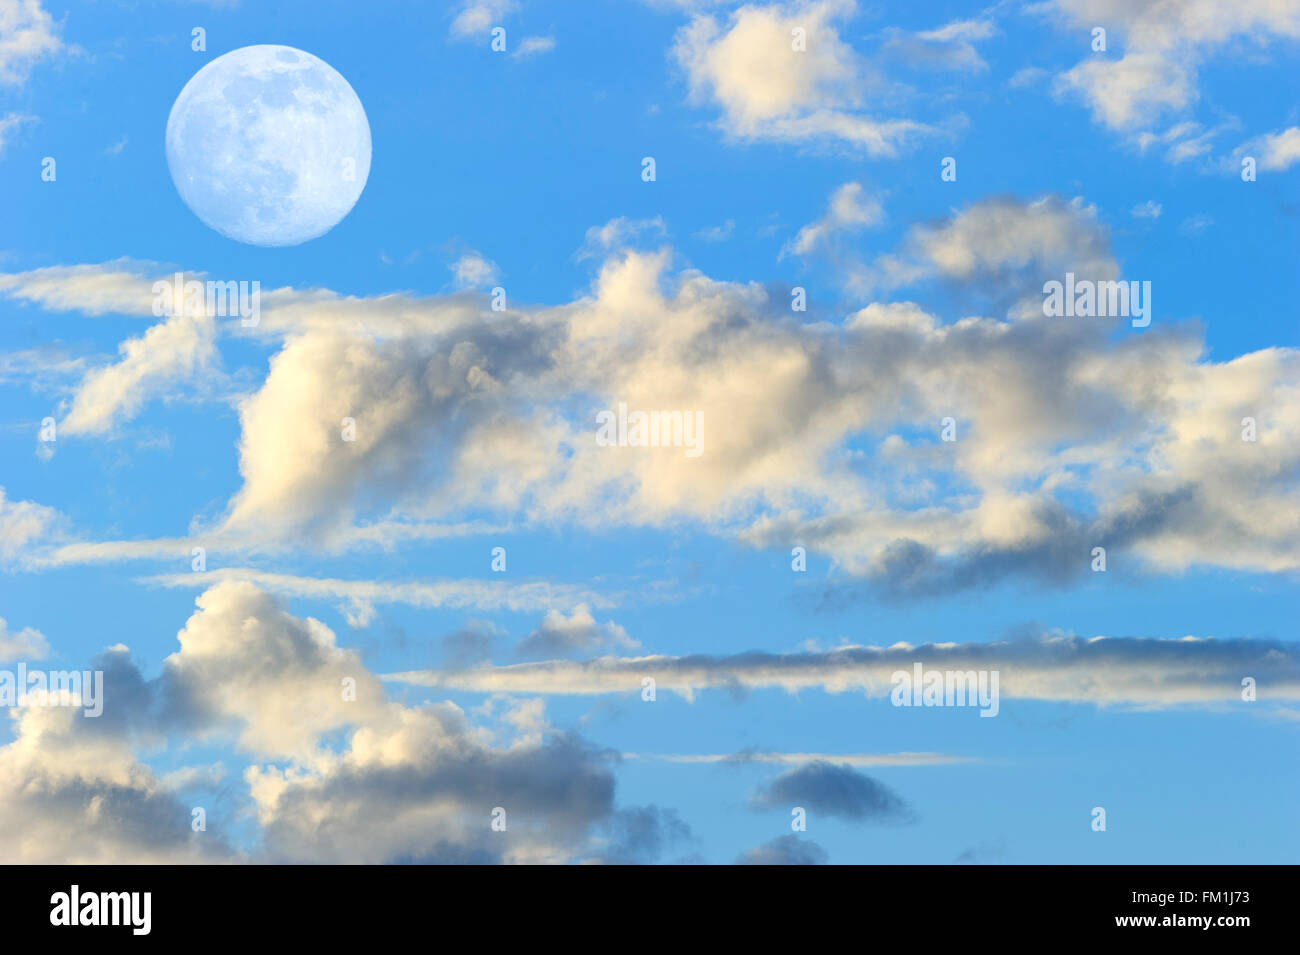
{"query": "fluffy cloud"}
[(278, 682), (1164, 46), (73, 792), (25, 527), (1069, 436), (24, 644), (339, 777), (476, 17), (768, 90), (472, 270), (418, 788), (168, 353), (28, 34), (1274, 152)]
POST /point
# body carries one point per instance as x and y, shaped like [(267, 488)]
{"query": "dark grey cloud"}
[(831, 790), (908, 570)]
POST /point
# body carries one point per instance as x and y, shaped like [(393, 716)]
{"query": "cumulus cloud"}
[(279, 683), (767, 89), (341, 774), (1143, 671), (1069, 436), (73, 791)]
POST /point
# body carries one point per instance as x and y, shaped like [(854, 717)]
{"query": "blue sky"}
[(775, 169)]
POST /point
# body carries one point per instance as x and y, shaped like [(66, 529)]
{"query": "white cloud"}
[(949, 47), (1164, 46), (767, 90), (277, 680), (28, 34), (1147, 210), (851, 210), (1273, 152), (617, 233), (170, 352), (473, 270), (464, 412), (24, 644), (24, 527), (10, 122), (578, 633), (477, 17), (534, 46), (360, 780)]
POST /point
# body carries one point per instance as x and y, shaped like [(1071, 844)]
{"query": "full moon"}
[(268, 145)]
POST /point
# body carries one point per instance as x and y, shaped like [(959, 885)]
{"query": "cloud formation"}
[(1138, 671), (828, 789), (752, 68), (1068, 436)]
